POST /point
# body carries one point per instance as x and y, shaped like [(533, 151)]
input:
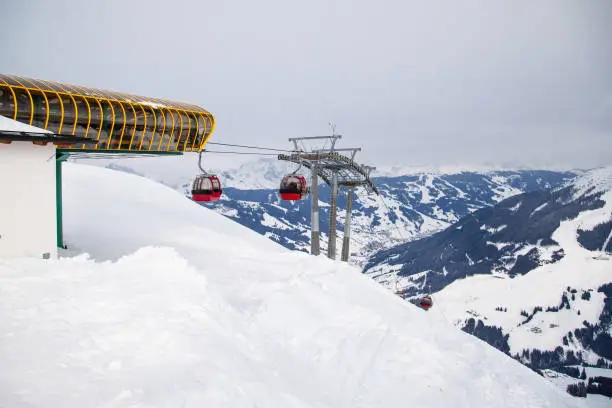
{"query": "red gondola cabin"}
[(426, 302), (205, 188), (293, 187)]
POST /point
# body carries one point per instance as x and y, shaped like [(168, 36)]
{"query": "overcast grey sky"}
[(411, 82)]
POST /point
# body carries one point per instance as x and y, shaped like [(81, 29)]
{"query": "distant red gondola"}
[(293, 187), (426, 302), (206, 187)]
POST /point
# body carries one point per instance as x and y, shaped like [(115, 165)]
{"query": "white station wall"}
[(28, 224)]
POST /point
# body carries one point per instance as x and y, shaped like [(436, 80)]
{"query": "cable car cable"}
[(231, 152), (249, 147)]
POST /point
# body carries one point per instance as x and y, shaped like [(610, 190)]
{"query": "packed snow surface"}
[(178, 306)]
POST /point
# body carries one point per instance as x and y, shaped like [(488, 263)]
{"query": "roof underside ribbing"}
[(114, 120)]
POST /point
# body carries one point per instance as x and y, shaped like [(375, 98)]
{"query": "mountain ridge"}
[(409, 207), (553, 240)]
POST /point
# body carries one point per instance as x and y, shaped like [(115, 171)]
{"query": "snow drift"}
[(174, 305)]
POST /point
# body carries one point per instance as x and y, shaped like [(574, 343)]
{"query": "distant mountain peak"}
[(261, 174), (593, 182)]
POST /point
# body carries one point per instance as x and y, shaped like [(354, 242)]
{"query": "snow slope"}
[(177, 306), (529, 275), (563, 380), (542, 287), (580, 270)]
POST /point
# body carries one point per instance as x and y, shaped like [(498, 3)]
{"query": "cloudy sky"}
[(501, 83)]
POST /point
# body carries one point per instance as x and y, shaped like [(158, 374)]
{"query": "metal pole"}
[(331, 245), (347, 226), (314, 215), (58, 200)]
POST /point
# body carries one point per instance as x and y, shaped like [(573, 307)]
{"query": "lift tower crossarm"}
[(332, 137), (342, 149), (291, 139), (308, 164), (350, 173), (354, 151)]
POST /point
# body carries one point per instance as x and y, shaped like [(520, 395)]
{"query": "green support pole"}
[(62, 156), (58, 198)]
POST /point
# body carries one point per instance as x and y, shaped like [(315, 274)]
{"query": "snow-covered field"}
[(175, 305), (499, 299), (593, 400)]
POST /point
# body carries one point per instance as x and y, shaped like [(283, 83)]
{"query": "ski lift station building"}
[(42, 123)]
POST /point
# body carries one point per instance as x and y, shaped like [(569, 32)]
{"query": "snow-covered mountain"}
[(164, 303), (529, 275), (410, 205)]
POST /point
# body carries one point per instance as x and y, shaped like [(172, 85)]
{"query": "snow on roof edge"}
[(16, 126)]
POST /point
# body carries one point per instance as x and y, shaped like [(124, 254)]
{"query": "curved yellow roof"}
[(117, 121)]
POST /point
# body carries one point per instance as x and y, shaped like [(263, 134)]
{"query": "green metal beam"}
[(61, 155), (118, 151), (58, 199)]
